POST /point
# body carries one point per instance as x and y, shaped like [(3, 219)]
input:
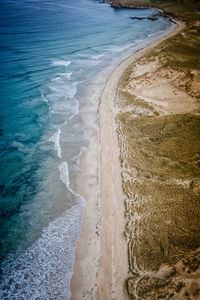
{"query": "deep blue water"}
[(49, 50)]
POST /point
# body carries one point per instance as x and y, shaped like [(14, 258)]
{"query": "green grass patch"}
[(164, 151), (182, 51), (169, 227), (166, 146), (128, 99)]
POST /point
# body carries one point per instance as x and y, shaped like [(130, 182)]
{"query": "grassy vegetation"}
[(161, 160), (165, 193), (163, 150), (128, 99), (124, 79), (176, 8), (164, 146), (183, 50)]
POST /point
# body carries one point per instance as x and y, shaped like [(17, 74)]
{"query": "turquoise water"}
[(50, 53)]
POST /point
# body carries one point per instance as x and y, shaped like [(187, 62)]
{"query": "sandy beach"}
[(101, 265)]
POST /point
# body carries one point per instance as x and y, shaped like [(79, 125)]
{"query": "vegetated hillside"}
[(183, 50), (174, 7), (160, 159)]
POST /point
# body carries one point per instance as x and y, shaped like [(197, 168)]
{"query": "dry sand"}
[(160, 87), (101, 265)]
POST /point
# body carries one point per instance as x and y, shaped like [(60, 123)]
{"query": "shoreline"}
[(97, 272)]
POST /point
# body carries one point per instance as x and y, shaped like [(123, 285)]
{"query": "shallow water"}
[(52, 54)]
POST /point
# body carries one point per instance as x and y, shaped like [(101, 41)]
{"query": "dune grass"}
[(162, 204), (160, 157), (164, 151), (164, 146)]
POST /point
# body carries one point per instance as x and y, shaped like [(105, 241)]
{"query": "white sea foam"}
[(56, 78), (63, 75), (116, 49), (67, 106), (64, 173), (61, 63), (64, 177), (66, 75), (20, 135), (71, 90), (63, 90), (21, 147), (44, 99), (45, 269), (56, 140), (87, 62), (97, 56), (76, 159)]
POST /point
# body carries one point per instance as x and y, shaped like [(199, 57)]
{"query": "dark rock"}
[(137, 18), (152, 18)]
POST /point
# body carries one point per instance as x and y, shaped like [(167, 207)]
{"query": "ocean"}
[(52, 55)]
